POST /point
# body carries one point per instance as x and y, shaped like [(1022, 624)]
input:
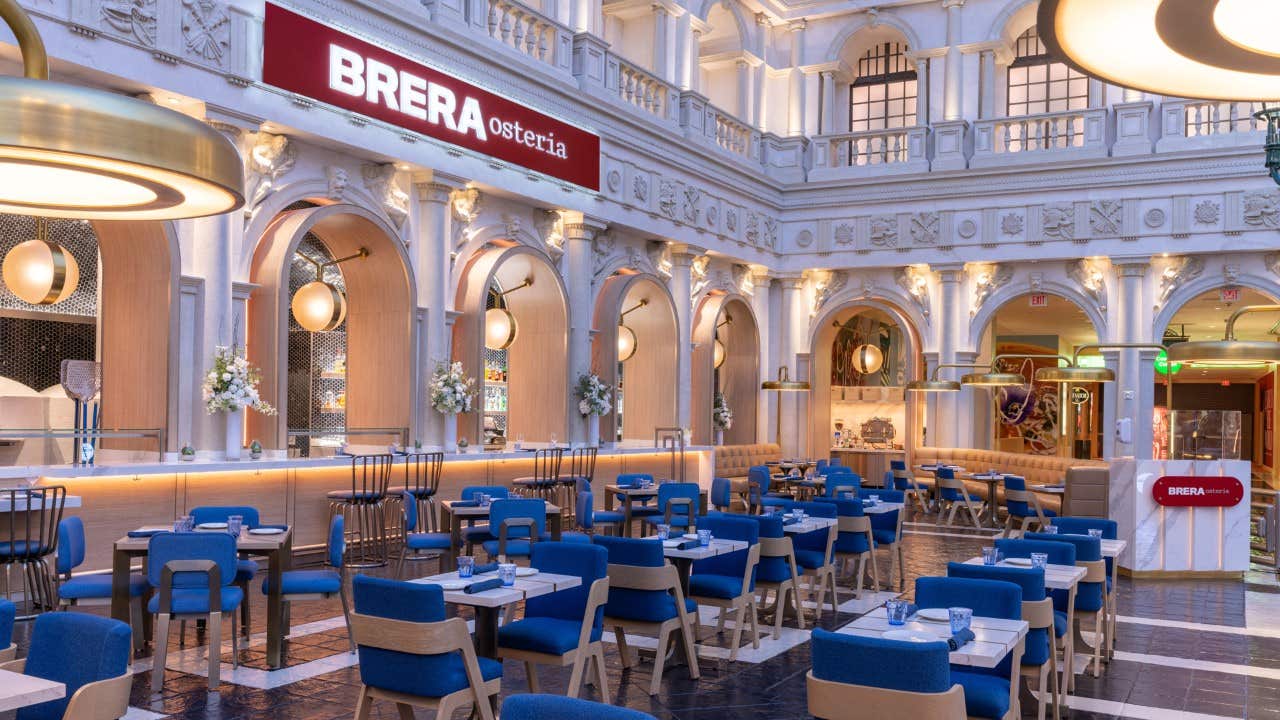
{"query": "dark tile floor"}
[(1186, 651)]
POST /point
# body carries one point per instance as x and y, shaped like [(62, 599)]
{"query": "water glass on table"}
[(1039, 560), (1051, 529), (664, 531), (896, 610), (990, 556), (961, 618), (704, 537), (466, 566), (874, 498), (1095, 533), (507, 573), (234, 524)]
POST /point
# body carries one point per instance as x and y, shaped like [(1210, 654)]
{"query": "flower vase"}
[(235, 434), (450, 432), (719, 436), (593, 431)]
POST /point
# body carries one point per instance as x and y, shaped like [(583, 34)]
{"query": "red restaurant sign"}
[(1197, 491), (311, 59)]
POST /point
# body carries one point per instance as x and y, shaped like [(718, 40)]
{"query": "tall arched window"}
[(884, 95), (1039, 83)]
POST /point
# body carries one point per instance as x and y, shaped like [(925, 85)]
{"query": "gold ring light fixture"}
[(627, 342), (70, 151), (1228, 352), (718, 350), (40, 271), (499, 323), (784, 383), (319, 306), (1074, 373), (994, 377), (933, 384)]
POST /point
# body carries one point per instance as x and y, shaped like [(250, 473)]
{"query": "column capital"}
[(790, 280), (579, 226), (948, 273), (952, 4), (797, 25), (683, 253), (1131, 267), (434, 186), (763, 19)]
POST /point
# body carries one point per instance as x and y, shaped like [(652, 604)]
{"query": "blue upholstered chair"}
[(870, 678), (1110, 531), (1039, 658), (321, 584), (87, 590), (1091, 591), (8, 613), (517, 524), (645, 597), (246, 568), (886, 530), (86, 653), (412, 656), (474, 534), (559, 707), (589, 519), (1022, 506), (1064, 613), (721, 494), (729, 581), (841, 480), (759, 478), (193, 575), (987, 694), (823, 464), (777, 571), (854, 541), (562, 628), (419, 545), (641, 507), (677, 504), (815, 556), (903, 480), (953, 495)]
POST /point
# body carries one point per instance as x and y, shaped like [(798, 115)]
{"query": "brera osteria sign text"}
[(314, 60)]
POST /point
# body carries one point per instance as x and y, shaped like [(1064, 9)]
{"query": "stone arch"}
[(861, 23), (1201, 285), (1012, 21), (980, 320), (735, 8), (483, 239), (741, 368)]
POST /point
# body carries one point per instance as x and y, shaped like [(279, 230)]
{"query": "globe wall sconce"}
[(867, 359), (627, 343), (319, 306), (499, 324), (39, 271)]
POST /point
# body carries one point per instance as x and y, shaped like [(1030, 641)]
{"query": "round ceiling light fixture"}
[(70, 151), (1209, 49), (626, 343), (39, 271), (992, 379), (784, 383), (933, 386), (319, 306), (1228, 352), (867, 359), (1071, 375)]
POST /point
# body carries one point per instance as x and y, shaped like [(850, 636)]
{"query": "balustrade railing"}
[(733, 135), (1186, 124), (903, 149), (1030, 137), (642, 89), (530, 33)]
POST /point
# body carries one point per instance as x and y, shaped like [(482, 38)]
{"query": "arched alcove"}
[(380, 334), (727, 318), (536, 365), (646, 382)]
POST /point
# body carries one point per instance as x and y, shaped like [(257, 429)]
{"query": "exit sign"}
[(1039, 300), (1229, 295)]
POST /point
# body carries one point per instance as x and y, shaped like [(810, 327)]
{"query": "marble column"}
[(661, 42), (1111, 359), (796, 109), (761, 284), (953, 76), (793, 326), (987, 80), (579, 232), (828, 103), (944, 426), (695, 62), (684, 61), (1134, 386), (744, 90), (681, 287)]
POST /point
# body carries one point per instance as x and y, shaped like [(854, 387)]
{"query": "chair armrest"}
[(9, 653), (753, 559), (596, 598), (208, 567), (504, 529), (101, 700), (16, 666)]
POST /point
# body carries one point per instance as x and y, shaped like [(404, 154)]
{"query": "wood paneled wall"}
[(739, 375), (650, 375)]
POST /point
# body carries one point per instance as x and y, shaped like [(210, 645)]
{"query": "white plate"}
[(1019, 562), (454, 584), (671, 543), (526, 571), (690, 536), (212, 526), (265, 531), (918, 636), (938, 615)]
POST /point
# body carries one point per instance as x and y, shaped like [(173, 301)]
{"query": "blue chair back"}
[(545, 707), (729, 527), (950, 494), (773, 569), (1059, 553), (8, 613), (220, 513), (626, 602), (1016, 508), (842, 480), (886, 524), (429, 675), (410, 511), (496, 492), (70, 545), (216, 546), (876, 662), (1087, 548), (816, 540), (678, 490), (1076, 526), (586, 508), (75, 649), (1031, 580), (589, 562), (511, 508), (338, 539), (897, 465), (721, 493), (891, 496), (848, 542), (821, 466), (760, 475), (988, 598)]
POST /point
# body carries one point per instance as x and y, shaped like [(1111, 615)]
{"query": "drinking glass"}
[(1095, 533), (1039, 560), (961, 617), (875, 499), (846, 496), (466, 566), (483, 498), (990, 556), (234, 524), (1051, 529), (897, 611), (180, 525), (507, 573), (704, 537), (664, 532), (188, 523), (553, 440)]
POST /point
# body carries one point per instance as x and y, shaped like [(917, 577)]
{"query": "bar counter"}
[(868, 462), (114, 499)]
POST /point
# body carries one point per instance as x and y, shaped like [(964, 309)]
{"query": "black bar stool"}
[(422, 472), (582, 465), (544, 482), (363, 508), (30, 538)]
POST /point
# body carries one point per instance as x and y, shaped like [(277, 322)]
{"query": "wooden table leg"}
[(275, 603), (120, 562), (450, 559), (626, 518), (556, 522), (486, 632)]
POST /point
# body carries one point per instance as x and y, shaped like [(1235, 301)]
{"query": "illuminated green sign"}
[(1163, 365)]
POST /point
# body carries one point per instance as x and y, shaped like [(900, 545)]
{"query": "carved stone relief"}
[(1090, 275), (827, 284), (338, 179), (844, 234), (914, 280), (987, 278), (1207, 212), (667, 198), (270, 158), (1012, 224), (925, 227), (1106, 217), (1261, 210), (206, 31), (380, 181), (1058, 222), (1177, 273), (134, 18), (884, 231)]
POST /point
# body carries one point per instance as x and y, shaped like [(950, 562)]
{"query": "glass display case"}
[(1206, 434)]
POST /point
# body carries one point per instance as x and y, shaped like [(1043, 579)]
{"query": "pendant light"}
[(997, 378), (1229, 350), (933, 384), (718, 353), (320, 306), (627, 342), (784, 383), (499, 324), (867, 359), (76, 152), (39, 271)]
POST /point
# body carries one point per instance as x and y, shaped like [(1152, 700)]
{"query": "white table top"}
[(1056, 577), (809, 524), (931, 468), (18, 690), (1048, 490), (70, 501), (1113, 548), (525, 588), (882, 508), (993, 638), (717, 547), (650, 491), (244, 542)]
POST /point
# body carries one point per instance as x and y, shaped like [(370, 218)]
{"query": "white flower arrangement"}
[(593, 396), (721, 415), (232, 384), (452, 391)]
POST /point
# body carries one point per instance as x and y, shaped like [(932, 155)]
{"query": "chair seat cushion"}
[(22, 549), (427, 541), (196, 600), (1037, 647), (553, 636), (644, 605), (985, 696), (607, 517), (245, 570), (810, 559), (575, 537), (447, 674), (96, 587), (884, 537), (306, 582), (477, 534), (715, 586)]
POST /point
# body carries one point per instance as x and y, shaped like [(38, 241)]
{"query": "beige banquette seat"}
[(1037, 469), (733, 461)]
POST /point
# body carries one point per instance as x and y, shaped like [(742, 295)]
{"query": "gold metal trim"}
[(933, 386), (1074, 375), (992, 379), (784, 383)]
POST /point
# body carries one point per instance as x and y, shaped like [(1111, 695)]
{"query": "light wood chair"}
[(743, 606), (953, 495), (782, 548), (101, 700), (578, 657), (860, 525), (841, 701), (654, 579)]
